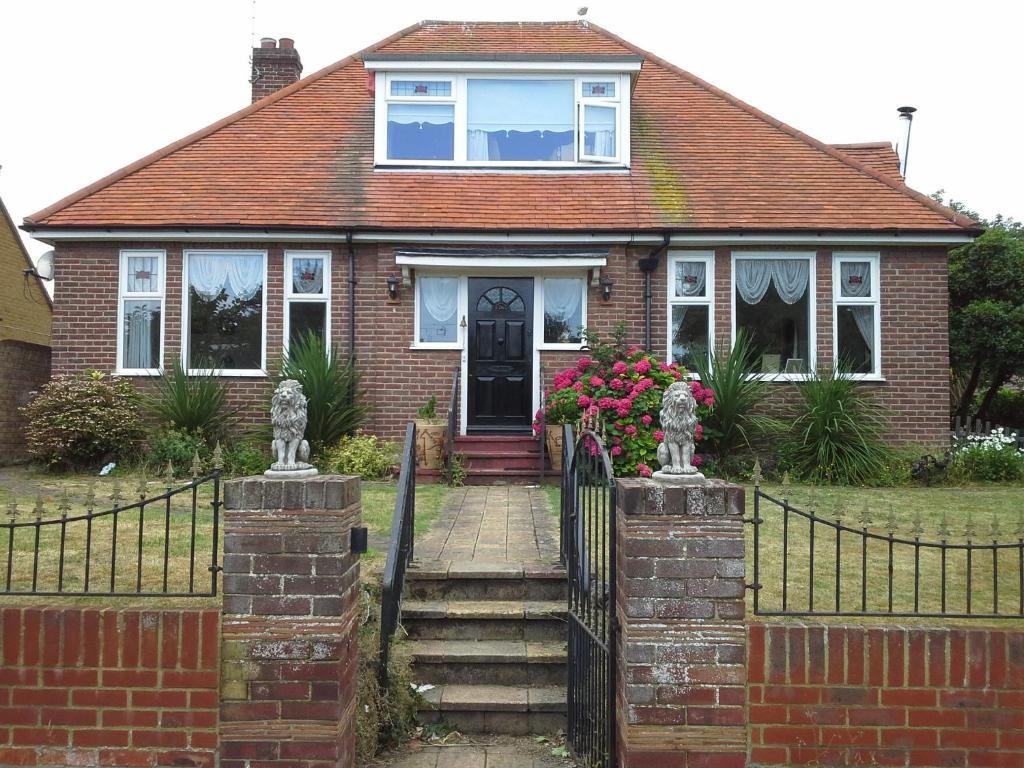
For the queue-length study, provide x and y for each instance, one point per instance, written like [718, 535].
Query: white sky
[89, 87]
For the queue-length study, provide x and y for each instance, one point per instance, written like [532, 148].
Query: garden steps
[496, 460]
[490, 636]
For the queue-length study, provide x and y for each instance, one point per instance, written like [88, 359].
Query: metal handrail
[453, 423]
[568, 489]
[542, 434]
[132, 518]
[400, 552]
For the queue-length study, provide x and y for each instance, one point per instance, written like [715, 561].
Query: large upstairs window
[498, 119]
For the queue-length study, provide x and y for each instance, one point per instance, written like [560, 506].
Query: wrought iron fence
[400, 552]
[163, 545]
[589, 530]
[808, 564]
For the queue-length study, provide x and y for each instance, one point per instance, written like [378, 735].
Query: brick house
[471, 195]
[25, 317]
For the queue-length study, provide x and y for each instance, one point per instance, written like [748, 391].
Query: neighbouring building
[466, 196]
[25, 318]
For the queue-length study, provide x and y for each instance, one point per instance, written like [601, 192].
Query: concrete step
[527, 620]
[475, 460]
[491, 662]
[481, 580]
[497, 708]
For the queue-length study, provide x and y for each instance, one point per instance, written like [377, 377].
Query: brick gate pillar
[289, 648]
[682, 641]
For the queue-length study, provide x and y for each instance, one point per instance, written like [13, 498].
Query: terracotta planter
[553, 444]
[429, 444]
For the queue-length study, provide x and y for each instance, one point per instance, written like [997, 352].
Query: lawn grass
[160, 518]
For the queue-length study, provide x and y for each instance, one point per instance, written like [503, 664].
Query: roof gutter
[54, 235]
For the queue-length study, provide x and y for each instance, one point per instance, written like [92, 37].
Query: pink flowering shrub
[621, 389]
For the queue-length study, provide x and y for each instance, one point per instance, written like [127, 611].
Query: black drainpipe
[647, 265]
[351, 298]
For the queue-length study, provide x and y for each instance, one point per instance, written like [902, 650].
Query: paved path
[512, 753]
[493, 523]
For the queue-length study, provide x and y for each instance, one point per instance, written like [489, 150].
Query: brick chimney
[275, 64]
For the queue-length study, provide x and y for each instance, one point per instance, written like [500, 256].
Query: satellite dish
[44, 266]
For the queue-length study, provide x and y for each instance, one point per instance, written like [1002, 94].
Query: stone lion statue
[288, 416]
[679, 422]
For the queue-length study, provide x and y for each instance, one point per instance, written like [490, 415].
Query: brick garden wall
[23, 368]
[108, 687]
[885, 696]
[398, 378]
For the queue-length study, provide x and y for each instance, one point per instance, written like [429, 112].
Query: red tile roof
[303, 157]
[877, 155]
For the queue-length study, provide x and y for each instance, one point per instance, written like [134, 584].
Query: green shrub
[334, 403]
[836, 432]
[735, 422]
[455, 471]
[78, 422]
[246, 458]
[176, 447]
[192, 404]
[361, 454]
[992, 458]
[1007, 408]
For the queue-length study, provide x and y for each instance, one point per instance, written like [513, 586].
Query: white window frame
[538, 310]
[123, 295]
[186, 315]
[460, 313]
[874, 258]
[812, 308]
[459, 81]
[290, 296]
[582, 102]
[708, 299]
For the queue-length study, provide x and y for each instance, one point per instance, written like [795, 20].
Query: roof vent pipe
[906, 114]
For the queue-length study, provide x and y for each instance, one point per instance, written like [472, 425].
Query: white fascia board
[395, 65]
[729, 239]
[512, 262]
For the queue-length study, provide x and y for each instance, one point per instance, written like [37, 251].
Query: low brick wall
[23, 368]
[108, 687]
[874, 695]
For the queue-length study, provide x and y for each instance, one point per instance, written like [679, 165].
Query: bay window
[855, 279]
[437, 307]
[225, 320]
[774, 305]
[307, 295]
[690, 307]
[496, 119]
[564, 310]
[140, 312]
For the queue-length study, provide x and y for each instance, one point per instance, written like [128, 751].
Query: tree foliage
[986, 311]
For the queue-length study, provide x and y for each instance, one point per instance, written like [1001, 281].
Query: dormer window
[501, 116]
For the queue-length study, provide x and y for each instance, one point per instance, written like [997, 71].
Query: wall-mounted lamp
[606, 288]
[393, 289]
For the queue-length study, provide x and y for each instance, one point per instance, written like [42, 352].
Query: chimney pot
[286, 42]
[268, 42]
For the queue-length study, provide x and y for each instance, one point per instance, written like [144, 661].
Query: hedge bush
[82, 421]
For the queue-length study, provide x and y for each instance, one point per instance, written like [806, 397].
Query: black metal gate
[588, 548]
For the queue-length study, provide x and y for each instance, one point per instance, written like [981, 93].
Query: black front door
[500, 354]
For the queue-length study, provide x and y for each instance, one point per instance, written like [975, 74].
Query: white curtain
[864, 317]
[312, 267]
[790, 277]
[241, 276]
[477, 147]
[440, 297]
[138, 328]
[855, 279]
[563, 298]
[142, 274]
[604, 143]
[690, 278]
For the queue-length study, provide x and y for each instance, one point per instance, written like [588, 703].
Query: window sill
[421, 347]
[239, 374]
[798, 377]
[577, 347]
[617, 167]
[140, 372]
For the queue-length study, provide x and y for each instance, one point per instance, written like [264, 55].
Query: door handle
[501, 340]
